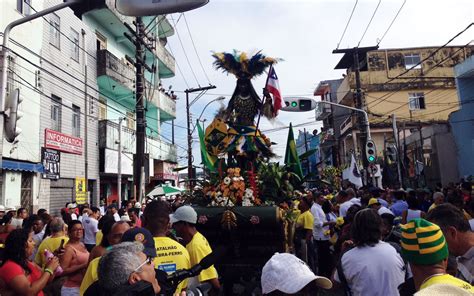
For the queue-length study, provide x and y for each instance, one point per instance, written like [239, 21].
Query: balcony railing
[167, 105]
[322, 111]
[158, 149]
[346, 124]
[110, 65]
[167, 59]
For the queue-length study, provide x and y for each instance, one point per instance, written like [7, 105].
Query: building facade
[462, 121]
[116, 80]
[417, 85]
[69, 110]
[20, 180]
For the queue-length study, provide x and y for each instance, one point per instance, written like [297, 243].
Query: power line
[347, 24]
[184, 51]
[368, 25]
[195, 50]
[390, 26]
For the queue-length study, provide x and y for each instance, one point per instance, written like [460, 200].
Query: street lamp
[204, 109]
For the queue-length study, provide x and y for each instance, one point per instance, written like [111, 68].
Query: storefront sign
[165, 171]
[81, 190]
[62, 142]
[51, 162]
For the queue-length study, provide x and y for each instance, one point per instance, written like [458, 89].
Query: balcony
[111, 66]
[156, 148]
[323, 111]
[346, 125]
[344, 92]
[166, 61]
[167, 107]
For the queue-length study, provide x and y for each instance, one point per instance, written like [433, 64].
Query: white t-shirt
[116, 217]
[73, 216]
[377, 270]
[344, 207]
[384, 210]
[90, 229]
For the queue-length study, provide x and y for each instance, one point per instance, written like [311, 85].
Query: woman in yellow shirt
[304, 229]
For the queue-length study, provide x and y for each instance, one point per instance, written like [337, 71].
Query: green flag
[208, 160]
[291, 155]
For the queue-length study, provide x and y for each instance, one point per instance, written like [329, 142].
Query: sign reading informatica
[51, 162]
[62, 142]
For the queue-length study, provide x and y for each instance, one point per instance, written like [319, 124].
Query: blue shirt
[398, 207]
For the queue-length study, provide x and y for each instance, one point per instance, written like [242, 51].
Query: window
[131, 120]
[56, 113]
[76, 121]
[23, 6]
[411, 60]
[102, 109]
[54, 30]
[416, 101]
[74, 45]
[101, 41]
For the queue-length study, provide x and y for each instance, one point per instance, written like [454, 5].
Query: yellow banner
[81, 190]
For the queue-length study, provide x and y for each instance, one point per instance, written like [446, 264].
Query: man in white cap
[286, 274]
[71, 208]
[184, 222]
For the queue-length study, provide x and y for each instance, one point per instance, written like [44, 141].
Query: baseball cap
[284, 266]
[2, 208]
[8, 209]
[71, 206]
[423, 242]
[125, 218]
[373, 201]
[141, 235]
[184, 213]
[138, 205]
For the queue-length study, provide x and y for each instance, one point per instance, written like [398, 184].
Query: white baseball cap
[287, 273]
[8, 209]
[125, 218]
[71, 206]
[138, 205]
[2, 208]
[184, 213]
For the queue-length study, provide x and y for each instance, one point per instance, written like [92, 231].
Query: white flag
[352, 174]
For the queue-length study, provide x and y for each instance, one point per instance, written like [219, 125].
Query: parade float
[244, 201]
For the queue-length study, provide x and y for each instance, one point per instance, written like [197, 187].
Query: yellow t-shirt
[447, 280]
[51, 244]
[91, 276]
[305, 220]
[199, 248]
[170, 257]
[98, 237]
[432, 207]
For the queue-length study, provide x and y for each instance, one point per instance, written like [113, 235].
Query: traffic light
[11, 116]
[370, 151]
[391, 153]
[298, 104]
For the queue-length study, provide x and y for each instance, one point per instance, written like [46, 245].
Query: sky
[303, 34]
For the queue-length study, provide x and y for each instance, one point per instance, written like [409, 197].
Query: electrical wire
[391, 23]
[195, 50]
[184, 51]
[347, 24]
[368, 25]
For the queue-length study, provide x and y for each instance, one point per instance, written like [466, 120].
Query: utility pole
[397, 144]
[141, 45]
[359, 99]
[190, 134]
[306, 149]
[119, 165]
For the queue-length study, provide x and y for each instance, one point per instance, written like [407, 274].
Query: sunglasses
[148, 260]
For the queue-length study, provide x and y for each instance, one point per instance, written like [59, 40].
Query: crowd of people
[102, 251]
[355, 242]
[389, 242]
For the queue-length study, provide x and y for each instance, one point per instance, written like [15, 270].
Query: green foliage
[276, 183]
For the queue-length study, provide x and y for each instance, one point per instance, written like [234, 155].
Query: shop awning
[22, 166]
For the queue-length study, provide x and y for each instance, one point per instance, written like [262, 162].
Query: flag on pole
[207, 160]
[352, 174]
[273, 87]
[291, 155]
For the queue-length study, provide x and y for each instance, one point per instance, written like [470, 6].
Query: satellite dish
[156, 7]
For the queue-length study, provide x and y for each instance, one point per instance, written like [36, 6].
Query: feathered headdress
[240, 65]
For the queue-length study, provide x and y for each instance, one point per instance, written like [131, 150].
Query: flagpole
[263, 100]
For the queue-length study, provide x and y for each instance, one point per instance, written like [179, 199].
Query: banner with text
[62, 142]
[51, 162]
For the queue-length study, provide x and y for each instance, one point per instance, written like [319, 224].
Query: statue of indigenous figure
[244, 142]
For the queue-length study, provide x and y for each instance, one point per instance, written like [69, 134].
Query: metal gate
[26, 199]
[61, 192]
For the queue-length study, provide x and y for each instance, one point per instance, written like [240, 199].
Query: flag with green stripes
[291, 155]
[208, 160]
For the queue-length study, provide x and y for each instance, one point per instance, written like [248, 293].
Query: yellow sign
[81, 190]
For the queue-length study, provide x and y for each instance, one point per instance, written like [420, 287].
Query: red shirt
[10, 270]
